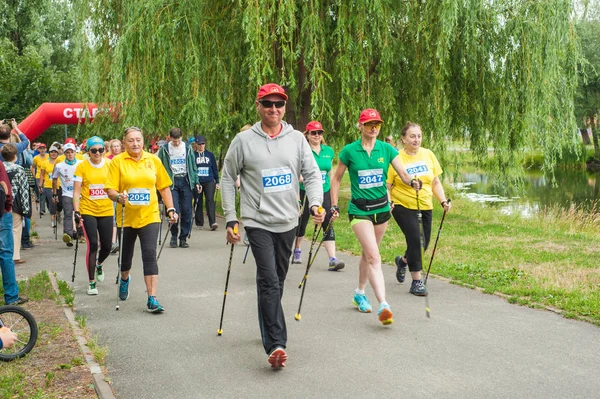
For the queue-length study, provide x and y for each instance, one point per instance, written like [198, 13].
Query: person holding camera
[6, 131]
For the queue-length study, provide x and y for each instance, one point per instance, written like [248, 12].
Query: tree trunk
[594, 125]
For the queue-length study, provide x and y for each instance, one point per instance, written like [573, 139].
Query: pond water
[574, 188]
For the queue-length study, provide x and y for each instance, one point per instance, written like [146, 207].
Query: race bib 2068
[277, 179]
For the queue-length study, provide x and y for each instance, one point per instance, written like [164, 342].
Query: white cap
[69, 146]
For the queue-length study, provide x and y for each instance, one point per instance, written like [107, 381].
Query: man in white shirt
[65, 171]
[178, 159]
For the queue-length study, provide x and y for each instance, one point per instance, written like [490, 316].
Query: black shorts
[376, 218]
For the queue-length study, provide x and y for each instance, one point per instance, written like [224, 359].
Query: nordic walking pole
[75, 258]
[422, 241]
[245, 256]
[308, 264]
[120, 250]
[220, 330]
[163, 243]
[161, 222]
[427, 310]
[299, 223]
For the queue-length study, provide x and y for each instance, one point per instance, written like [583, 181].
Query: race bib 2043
[277, 179]
[139, 196]
[370, 178]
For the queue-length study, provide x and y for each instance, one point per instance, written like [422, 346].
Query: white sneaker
[99, 273]
[92, 290]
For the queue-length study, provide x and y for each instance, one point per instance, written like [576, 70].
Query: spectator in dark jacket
[208, 177]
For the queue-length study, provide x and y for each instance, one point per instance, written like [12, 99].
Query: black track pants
[409, 224]
[92, 227]
[272, 253]
[148, 236]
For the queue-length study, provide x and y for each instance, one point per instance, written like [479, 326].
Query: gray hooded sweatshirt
[269, 170]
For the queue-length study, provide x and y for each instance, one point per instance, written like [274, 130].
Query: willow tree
[496, 73]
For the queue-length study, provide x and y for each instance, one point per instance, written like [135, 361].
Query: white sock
[360, 292]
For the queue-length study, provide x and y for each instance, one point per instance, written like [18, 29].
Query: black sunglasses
[316, 132]
[269, 103]
[97, 150]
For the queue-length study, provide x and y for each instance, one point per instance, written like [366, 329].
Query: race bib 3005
[97, 192]
[138, 196]
[277, 179]
[370, 178]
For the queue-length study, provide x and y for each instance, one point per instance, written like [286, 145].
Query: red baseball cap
[271, 88]
[42, 145]
[369, 115]
[70, 140]
[313, 125]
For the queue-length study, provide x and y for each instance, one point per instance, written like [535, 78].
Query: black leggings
[92, 228]
[148, 236]
[330, 236]
[409, 224]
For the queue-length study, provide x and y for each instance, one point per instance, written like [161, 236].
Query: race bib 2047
[370, 178]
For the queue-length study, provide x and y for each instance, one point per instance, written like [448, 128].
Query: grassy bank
[55, 368]
[550, 260]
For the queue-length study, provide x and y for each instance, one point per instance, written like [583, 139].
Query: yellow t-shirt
[37, 163]
[140, 179]
[62, 157]
[94, 200]
[48, 169]
[423, 166]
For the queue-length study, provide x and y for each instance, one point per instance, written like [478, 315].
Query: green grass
[36, 287]
[550, 260]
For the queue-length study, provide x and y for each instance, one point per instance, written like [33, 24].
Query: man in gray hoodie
[270, 157]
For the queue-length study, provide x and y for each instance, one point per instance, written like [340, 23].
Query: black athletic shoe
[173, 243]
[418, 288]
[183, 244]
[400, 269]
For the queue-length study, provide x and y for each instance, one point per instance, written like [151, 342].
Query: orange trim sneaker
[278, 357]
[386, 317]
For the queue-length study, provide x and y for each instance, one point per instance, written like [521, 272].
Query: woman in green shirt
[324, 155]
[367, 160]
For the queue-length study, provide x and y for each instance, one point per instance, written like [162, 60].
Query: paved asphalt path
[473, 346]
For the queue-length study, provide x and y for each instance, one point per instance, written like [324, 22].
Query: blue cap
[94, 141]
[191, 140]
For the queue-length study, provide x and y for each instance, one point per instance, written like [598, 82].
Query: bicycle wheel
[22, 323]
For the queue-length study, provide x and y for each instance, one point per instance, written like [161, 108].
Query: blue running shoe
[385, 314]
[362, 303]
[124, 288]
[418, 288]
[154, 306]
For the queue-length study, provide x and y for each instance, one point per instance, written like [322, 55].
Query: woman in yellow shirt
[134, 176]
[93, 210]
[422, 164]
[45, 188]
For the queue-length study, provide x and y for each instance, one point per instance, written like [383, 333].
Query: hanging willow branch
[499, 74]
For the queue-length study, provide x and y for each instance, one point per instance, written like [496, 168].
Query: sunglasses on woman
[269, 104]
[316, 132]
[97, 150]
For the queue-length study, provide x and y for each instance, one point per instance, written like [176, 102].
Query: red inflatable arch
[49, 114]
